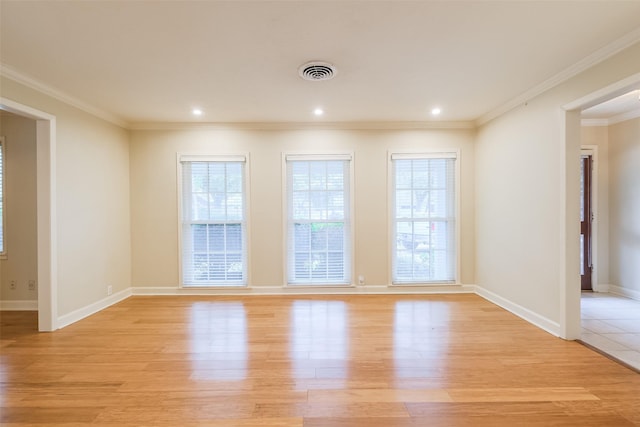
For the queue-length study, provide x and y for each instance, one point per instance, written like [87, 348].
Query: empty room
[319, 213]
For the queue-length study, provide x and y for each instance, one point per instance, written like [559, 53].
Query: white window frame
[200, 157]
[3, 252]
[315, 156]
[392, 155]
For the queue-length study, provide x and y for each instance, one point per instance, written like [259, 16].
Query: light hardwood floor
[442, 360]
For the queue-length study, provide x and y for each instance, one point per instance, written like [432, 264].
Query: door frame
[570, 193]
[592, 150]
[46, 211]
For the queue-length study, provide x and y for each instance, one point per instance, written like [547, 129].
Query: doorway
[45, 211]
[586, 221]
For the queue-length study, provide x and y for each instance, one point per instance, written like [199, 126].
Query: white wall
[624, 207]
[154, 195]
[598, 136]
[92, 196]
[20, 237]
[527, 183]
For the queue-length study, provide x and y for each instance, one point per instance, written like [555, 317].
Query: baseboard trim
[19, 305]
[601, 288]
[303, 290]
[87, 311]
[624, 292]
[540, 321]
[522, 312]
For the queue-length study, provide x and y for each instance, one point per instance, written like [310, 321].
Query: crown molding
[12, 74]
[301, 125]
[629, 115]
[594, 122]
[591, 60]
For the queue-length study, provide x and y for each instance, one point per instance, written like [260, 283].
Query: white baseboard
[540, 321]
[304, 290]
[19, 305]
[624, 292]
[601, 288]
[87, 311]
[522, 312]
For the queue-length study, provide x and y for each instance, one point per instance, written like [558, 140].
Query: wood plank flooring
[441, 360]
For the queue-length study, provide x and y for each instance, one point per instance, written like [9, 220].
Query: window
[214, 231]
[2, 211]
[424, 218]
[319, 223]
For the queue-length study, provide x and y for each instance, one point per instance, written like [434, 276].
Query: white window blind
[424, 218]
[2, 250]
[213, 221]
[319, 221]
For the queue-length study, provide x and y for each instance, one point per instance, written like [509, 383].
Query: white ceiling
[153, 61]
[615, 110]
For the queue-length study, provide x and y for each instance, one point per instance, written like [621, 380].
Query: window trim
[317, 155]
[220, 157]
[3, 253]
[427, 154]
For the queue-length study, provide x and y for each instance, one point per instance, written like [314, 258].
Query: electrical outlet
[360, 280]
[12, 286]
[109, 289]
[32, 285]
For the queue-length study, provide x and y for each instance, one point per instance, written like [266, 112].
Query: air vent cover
[317, 71]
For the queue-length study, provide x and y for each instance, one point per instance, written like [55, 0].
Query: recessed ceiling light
[436, 111]
[197, 112]
[318, 111]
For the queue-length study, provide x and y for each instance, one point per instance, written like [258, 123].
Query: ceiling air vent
[317, 71]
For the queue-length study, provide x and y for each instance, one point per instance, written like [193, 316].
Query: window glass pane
[438, 173]
[335, 205]
[318, 175]
[420, 203]
[403, 174]
[424, 219]
[319, 265]
[234, 266]
[318, 204]
[438, 206]
[317, 192]
[404, 204]
[234, 206]
[200, 266]
[303, 265]
[300, 176]
[335, 176]
[213, 227]
[420, 173]
[200, 206]
[234, 237]
[335, 237]
[199, 233]
[318, 237]
[199, 178]
[217, 207]
[216, 177]
[302, 237]
[216, 237]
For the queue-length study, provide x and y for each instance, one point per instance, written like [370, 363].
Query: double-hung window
[318, 219]
[423, 218]
[214, 230]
